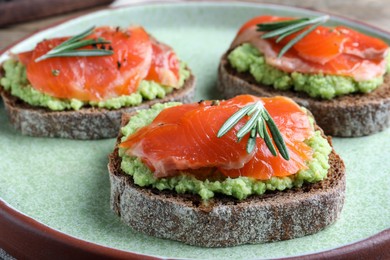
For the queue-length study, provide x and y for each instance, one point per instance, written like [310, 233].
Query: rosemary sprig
[285, 28]
[70, 47]
[256, 125]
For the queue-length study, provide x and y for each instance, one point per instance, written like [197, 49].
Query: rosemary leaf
[256, 125]
[76, 53]
[283, 31]
[233, 120]
[249, 125]
[79, 44]
[287, 34]
[260, 129]
[268, 141]
[278, 138]
[296, 39]
[301, 25]
[251, 144]
[76, 37]
[70, 47]
[253, 132]
[264, 115]
[270, 26]
[253, 109]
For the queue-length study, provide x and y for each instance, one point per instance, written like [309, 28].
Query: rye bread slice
[86, 123]
[345, 116]
[226, 221]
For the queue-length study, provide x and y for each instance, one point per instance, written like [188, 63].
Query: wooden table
[375, 12]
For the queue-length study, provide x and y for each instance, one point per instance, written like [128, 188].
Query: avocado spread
[15, 80]
[246, 58]
[240, 187]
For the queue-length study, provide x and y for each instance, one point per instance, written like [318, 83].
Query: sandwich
[339, 74]
[224, 173]
[78, 87]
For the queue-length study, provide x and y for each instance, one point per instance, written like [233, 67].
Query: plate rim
[23, 236]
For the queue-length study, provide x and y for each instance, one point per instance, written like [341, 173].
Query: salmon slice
[93, 78]
[361, 45]
[325, 44]
[184, 138]
[165, 65]
[136, 57]
[319, 46]
[25, 57]
[334, 51]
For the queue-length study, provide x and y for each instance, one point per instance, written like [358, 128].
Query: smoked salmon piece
[135, 57]
[334, 51]
[184, 138]
[362, 45]
[165, 65]
[319, 46]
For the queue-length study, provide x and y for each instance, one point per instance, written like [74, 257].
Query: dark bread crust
[86, 123]
[225, 221]
[346, 116]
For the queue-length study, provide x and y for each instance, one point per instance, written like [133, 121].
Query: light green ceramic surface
[64, 183]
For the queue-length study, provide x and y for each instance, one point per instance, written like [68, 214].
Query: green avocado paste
[239, 188]
[15, 80]
[247, 58]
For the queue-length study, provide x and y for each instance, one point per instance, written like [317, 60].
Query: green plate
[64, 183]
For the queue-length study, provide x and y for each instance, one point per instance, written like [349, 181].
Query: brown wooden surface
[374, 12]
[17, 11]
